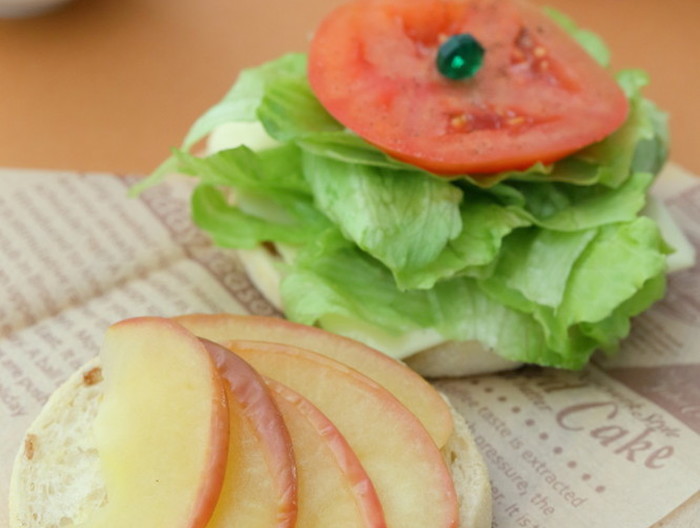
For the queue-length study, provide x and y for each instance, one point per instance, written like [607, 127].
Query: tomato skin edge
[340, 71]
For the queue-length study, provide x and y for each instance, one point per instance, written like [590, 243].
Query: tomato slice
[538, 96]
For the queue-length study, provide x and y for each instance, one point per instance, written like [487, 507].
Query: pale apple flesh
[162, 429]
[407, 386]
[260, 486]
[334, 488]
[411, 479]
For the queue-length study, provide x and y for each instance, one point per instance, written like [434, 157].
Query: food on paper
[397, 452]
[334, 488]
[166, 427]
[467, 211]
[260, 459]
[152, 420]
[404, 384]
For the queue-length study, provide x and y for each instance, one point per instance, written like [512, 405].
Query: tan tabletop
[110, 85]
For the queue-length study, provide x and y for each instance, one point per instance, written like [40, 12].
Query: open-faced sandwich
[463, 184]
[285, 426]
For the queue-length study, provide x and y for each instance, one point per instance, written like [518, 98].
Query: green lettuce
[402, 218]
[242, 102]
[544, 265]
[553, 298]
[588, 40]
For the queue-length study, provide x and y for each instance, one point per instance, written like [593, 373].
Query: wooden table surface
[110, 85]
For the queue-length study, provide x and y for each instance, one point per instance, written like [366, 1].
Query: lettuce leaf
[401, 218]
[613, 268]
[246, 198]
[537, 263]
[563, 207]
[276, 170]
[554, 299]
[545, 264]
[289, 110]
[484, 226]
[230, 226]
[241, 103]
[588, 40]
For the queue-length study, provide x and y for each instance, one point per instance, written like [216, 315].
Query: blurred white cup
[26, 8]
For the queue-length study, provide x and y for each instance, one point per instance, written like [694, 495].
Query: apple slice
[412, 390]
[411, 479]
[260, 486]
[334, 488]
[162, 428]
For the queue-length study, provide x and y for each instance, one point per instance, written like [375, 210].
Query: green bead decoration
[460, 57]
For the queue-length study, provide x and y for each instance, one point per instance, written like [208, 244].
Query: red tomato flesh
[537, 98]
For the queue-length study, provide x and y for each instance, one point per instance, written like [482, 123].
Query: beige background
[112, 84]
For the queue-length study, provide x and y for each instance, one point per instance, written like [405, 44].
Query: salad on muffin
[465, 177]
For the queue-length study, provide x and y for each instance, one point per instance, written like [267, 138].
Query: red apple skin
[363, 492]
[154, 332]
[253, 397]
[392, 444]
[407, 386]
[216, 470]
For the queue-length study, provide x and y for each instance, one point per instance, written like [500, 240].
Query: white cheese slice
[397, 346]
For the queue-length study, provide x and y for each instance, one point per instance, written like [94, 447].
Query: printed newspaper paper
[617, 444]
